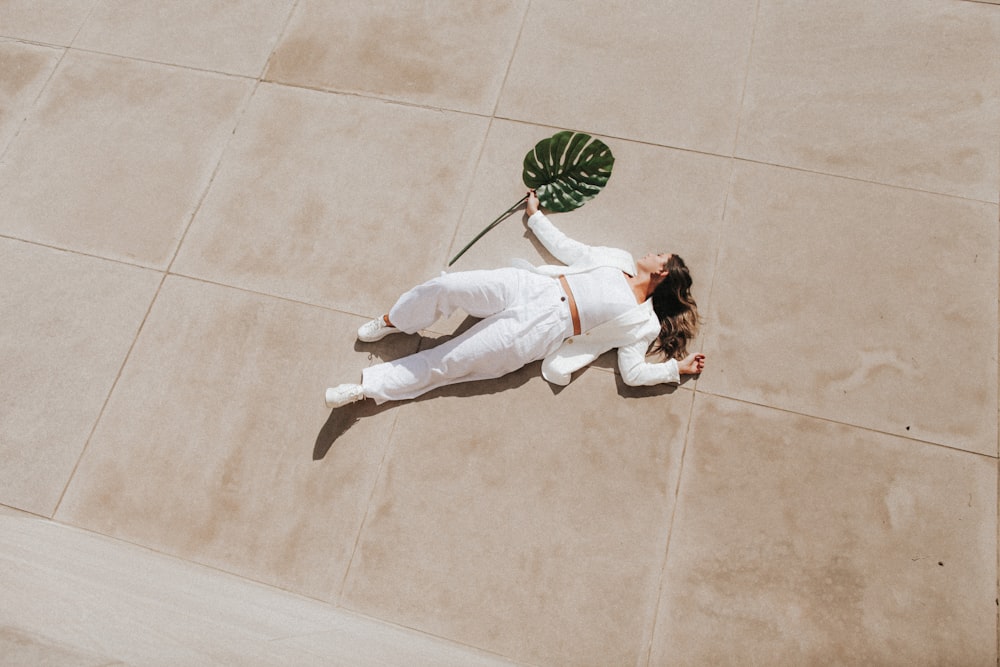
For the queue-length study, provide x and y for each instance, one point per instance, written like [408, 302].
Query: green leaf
[567, 170]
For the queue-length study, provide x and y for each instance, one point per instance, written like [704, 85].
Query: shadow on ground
[342, 419]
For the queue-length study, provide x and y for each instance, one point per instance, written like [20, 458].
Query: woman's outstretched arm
[636, 371]
[562, 247]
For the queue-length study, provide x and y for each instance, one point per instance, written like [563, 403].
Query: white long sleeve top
[631, 332]
[601, 294]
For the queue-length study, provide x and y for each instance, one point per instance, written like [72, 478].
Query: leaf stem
[490, 226]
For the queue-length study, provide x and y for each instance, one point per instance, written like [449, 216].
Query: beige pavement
[200, 202]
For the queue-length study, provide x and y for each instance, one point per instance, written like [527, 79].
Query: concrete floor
[201, 201]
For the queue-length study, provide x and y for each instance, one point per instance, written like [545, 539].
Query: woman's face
[654, 262]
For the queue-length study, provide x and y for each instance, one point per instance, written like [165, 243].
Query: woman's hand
[693, 364]
[532, 206]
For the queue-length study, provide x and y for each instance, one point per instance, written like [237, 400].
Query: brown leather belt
[573, 312]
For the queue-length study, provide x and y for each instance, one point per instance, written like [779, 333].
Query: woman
[566, 316]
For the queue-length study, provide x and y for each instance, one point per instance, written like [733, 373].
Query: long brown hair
[676, 309]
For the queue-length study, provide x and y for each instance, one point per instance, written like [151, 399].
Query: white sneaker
[375, 330]
[343, 394]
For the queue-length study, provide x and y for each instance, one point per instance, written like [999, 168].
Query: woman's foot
[375, 330]
[344, 394]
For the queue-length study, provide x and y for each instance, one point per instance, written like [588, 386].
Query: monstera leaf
[566, 170]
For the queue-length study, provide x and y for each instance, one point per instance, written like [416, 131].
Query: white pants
[525, 317]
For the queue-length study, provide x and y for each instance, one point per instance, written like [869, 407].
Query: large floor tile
[116, 156]
[68, 323]
[450, 54]
[206, 448]
[49, 21]
[24, 69]
[801, 542]
[221, 35]
[901, 93]
[670, 73]
[336, 200]
[528, 523]
[866, 304]
[657, 199]
[76, 598]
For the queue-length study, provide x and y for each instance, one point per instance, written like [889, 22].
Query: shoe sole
[382, 334]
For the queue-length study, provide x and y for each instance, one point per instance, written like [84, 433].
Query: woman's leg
[535, 322]
[491, 348]
[478, 293]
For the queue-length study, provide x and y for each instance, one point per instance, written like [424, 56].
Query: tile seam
[33, 106]
[486, 135]
[468, 194]
[719, 239]
[405, 103]
[149, 307]
[269, 295]
[81, 253]
[207, 281]
[615, 137]
[168, 555]
[32, 42]
[162, 63]
[31, 513]
[279, 39]
[647, 651]
[83, 23]
[869, 429]
[240, 114]
[748, 160]
[339, 595]
[107, 397]
[746, 78]
[858, 179]
[654, 622]
[369, 96]
[510, 60]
